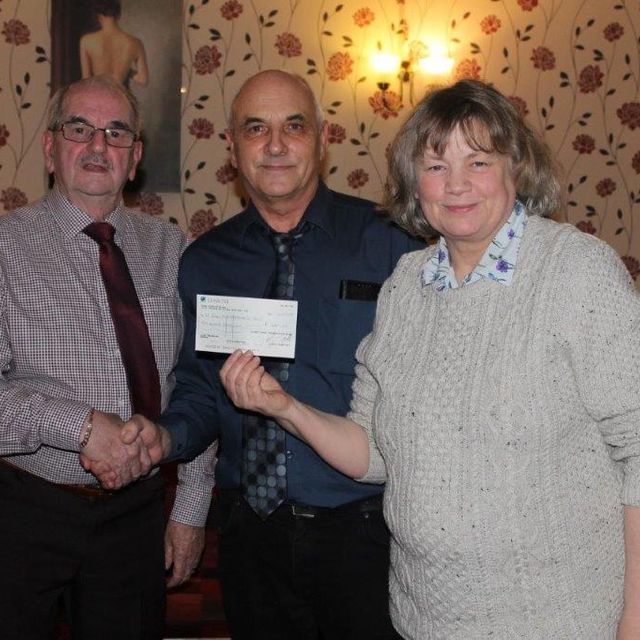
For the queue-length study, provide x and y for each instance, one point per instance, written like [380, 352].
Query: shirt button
[289, 455]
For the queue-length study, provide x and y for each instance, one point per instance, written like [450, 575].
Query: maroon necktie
[129, 323]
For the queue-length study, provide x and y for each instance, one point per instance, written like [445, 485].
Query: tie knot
[101, 232]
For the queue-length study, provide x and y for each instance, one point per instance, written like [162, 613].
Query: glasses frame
[105, 131]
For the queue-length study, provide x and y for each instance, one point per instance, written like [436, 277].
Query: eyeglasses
[84, 132]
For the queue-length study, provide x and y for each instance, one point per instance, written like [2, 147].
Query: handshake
[118, 452]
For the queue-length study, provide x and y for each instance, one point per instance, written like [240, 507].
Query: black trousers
[305, 574]
[105, 556]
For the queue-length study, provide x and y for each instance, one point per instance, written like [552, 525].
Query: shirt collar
[319, 213]
[497, 264]
[72, 220]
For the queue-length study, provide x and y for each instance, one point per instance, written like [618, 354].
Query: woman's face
[465, 195]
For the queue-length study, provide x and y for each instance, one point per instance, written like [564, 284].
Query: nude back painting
[138, 43]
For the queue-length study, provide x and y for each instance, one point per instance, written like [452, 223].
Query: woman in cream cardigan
[498, 395]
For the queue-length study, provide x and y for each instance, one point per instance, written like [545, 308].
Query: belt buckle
[302, 512]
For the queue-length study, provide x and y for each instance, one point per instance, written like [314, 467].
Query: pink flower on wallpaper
[543, 59]
[357, 178]
[230, 10]
[528, 5]
[340, 65]
[467, 69]
[4, 134]
[150, 203]
[613, 31]
[16, 32]
[629, 114]
[633, 266]
[605, 187]
[586, 227]
[12, 198]
[590, 78]
[635, 162]
[207, 59]
[201, 221]
[336, 133]
[201, 128]
[288, 45]
[584, 143]
[386, 104]
[363, 17]
[226, 173]
[520, 104]
[490, 24]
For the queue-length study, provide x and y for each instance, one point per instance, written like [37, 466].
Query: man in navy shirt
[317, 566]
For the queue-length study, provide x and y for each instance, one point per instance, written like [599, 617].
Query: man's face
[277, 144]
[92, 174]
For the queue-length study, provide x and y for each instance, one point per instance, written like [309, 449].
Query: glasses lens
[77, 131]
[119, 137]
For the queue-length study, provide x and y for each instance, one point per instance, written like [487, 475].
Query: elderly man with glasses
[90, 325]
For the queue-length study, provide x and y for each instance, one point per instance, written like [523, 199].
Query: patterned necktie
[264, 464]
[129, 323]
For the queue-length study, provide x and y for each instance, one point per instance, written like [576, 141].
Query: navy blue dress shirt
[347, 240]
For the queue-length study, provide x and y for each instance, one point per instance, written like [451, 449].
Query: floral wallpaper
[572, 67]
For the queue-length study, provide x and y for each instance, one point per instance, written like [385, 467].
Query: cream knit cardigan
[505, 421]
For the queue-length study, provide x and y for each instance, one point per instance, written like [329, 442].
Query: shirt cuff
[191, 505]
[61, 423]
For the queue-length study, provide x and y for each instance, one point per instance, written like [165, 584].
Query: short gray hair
[489, 122]
[55, 113]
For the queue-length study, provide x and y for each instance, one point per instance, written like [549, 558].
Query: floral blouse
[497, 263]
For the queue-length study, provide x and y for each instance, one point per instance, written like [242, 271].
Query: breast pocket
[342, 326]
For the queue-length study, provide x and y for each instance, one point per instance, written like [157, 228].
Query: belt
[87, 491]
[368, 505]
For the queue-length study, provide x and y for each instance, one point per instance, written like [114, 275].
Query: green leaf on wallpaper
[325, 16]
[27, 78]
[198, 106]
[215, 34]
[572, 203]
[504, 69]
[619, 231]
[311, 62]
[333, 170]
[528, 28]
[247, 56]
[475, 48]
[363, 153]
[570, 187]
[201, 165]
[26, 105]
[193, 26]
[331, 112]
[327, 33]
[348, 41]
[549, 127]
[355, 141]
[505, 52]
[203, 98]
[311, 71]
[273, 12]
[18, 89]
[362, 127]
[590, 22]
[336, 103]
[41, 59]
[187, 174]
[189, 190]
[339, 8]
[40, 50]
[205, 2]
[362, 79]
[191, 9]
[374, 134]
[597, 55]
[626, 76]
[211, 199]
[579, 47]
[619, 213]
[582, 179]
[247, 38]
[466, 15]
[230, 73]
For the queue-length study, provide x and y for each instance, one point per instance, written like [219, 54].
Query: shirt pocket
[342, 326]
[163, 315]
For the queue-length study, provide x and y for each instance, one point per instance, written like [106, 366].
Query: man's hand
[154, 437]
[183, 546]
[113, 461]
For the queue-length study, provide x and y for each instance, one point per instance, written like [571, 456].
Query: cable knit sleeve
[602, 321]
[370, 354]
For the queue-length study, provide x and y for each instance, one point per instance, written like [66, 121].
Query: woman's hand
[250, 387]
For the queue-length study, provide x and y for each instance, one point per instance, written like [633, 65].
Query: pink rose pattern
[288, 45]
[207, 59]
[150, 203]
[467, 69]
[12, 198]
[386, 104]
[357, 178]
[226, 173]
[16, 32]
[363, 17]
[336, 134]
[4, 134]
[201, 128]
[543, 59]
[340, 65]
[590, 78]
[201, 221]
[490, 24]
[231, 9]
[629, 114]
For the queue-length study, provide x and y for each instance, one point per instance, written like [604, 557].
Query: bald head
[268, 78]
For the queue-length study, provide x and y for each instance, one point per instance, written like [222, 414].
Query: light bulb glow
[385, 62]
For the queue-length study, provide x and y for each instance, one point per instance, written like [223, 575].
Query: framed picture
[139, 43]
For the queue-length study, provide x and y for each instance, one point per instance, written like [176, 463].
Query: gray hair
[55, 113]
[489, 122]
[299, 80]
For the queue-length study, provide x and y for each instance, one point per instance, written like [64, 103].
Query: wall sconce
[430, 61]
